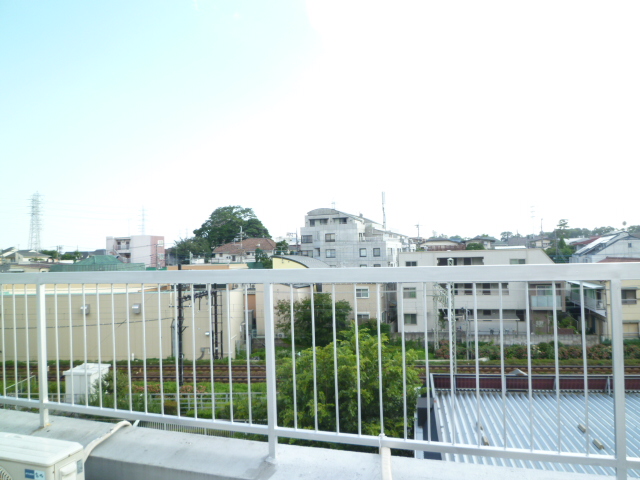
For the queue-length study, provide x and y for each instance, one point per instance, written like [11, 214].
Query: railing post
[619, 414]
[272, 404]
[43, 380]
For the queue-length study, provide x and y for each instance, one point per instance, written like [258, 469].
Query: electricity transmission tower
[34, 231]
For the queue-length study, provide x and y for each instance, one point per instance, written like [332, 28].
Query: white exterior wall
[514, 297]
[147, 249]
[624, 248]
[352, 240]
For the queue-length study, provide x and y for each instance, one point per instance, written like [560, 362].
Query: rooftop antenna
[333, 205]
[34, 231]
[384, 215]
[418, 227]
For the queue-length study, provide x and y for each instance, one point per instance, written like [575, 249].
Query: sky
[472, 116]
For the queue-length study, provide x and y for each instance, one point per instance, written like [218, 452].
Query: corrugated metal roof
[545, 426]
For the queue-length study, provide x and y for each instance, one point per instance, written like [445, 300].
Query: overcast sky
[472, 116]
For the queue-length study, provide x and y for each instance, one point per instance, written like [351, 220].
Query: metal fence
[168, 341]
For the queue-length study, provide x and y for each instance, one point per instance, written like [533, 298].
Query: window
[312, 223]
[363, 317]
[629, 297]
[410, 318]
[409, 292]
[517, 261]
[376, 252]
[486, 289]
[363, 252]
[331, 253]
[363, 266]
[377, 265]
[410, 264]
[543, 290]
[323, 221]
[329, 237]
[362, 292]
[307, 253]
[307, 238]
[505, 289]
[463, 289]
[341, 220]
[317, 252]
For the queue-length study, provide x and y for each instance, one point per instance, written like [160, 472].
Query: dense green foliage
[347, 355]
[225, 223]
[322, 318]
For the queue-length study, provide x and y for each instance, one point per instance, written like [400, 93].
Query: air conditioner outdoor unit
[24, 456]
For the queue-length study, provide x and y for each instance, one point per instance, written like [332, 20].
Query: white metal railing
[171, 331]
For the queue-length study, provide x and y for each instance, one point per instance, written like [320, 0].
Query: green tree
[392, 387]
[633, 229]
[323, 318]
[225, 223]
[263, 258]
[75, 256]
[52, 253]
[282, 247]
[504, 236]
[475, 246]
[186, 247]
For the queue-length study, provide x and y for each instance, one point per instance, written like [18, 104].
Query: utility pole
[180, 330]
[418, 227]
[453, 349]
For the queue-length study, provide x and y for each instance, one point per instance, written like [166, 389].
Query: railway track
[238, 373]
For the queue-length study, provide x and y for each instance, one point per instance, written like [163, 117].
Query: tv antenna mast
[34, 231]
[384, 215]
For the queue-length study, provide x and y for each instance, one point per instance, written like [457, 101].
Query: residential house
[540, 241]
[616, 244]
[243, 251]
[442, 244]
[344, 240]
[486, 241]
[22, 257]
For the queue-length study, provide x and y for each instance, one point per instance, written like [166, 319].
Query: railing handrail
[614, 274]
[443, 274]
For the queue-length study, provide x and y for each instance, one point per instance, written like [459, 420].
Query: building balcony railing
[593, 304]
[183, 347]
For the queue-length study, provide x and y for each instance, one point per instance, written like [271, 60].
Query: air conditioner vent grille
[4, 475]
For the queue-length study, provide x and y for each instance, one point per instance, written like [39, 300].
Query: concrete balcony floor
[134, 453]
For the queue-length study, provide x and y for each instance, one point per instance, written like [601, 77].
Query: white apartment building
[345, 240]
[491, 299]
[147, 249]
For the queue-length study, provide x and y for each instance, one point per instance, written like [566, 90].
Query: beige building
[492, 300]
[597, 305]
[123, 323]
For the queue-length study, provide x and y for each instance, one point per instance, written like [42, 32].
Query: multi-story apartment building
[506, 300]
[596, 300]
[147, 249]
[345, 240]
